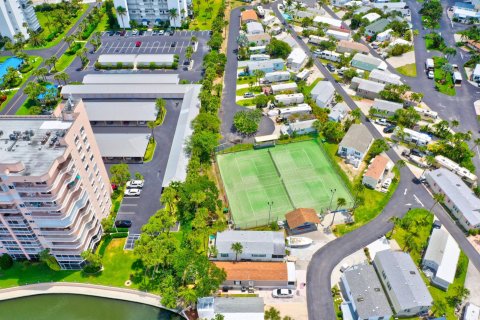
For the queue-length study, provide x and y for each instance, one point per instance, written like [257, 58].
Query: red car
[138, 44]
[114, 186]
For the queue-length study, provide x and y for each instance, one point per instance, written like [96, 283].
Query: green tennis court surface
[297, 175]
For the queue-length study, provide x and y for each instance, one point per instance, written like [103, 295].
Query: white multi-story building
[152, 11]
[17, 16]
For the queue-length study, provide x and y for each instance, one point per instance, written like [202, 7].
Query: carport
[125, 147]
[120, 113]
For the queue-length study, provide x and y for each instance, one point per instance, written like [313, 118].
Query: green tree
[450, 52]
[49, 260]
[62, 76]
[378, 146]
[246, 122]
[341, 202]
[437, 198]
[120, 173]
[261, 100]
[152, 125]
[122, 12]
[272, 314]
[173, 15]
[51, 63]
[206, 122]
[407, 117]
[6, 261]
[278, 49]
[11, 79]
[202, 144]
[237, 248]
[93, 261]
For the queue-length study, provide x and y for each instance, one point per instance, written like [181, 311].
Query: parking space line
[129, 204]
[126, 212]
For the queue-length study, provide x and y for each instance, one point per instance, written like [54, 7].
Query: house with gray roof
[323, 93]
[384, 77]
[255, 28]
[366, 88]
[441, 258]
[120, 113]
[367, 63]
[385, 109]
[257, 245]
[338, 112]
[459, 198]
[265, 65]
[376, 27]
[355, 144]
[231, 308]
[364, 293]
[401, 280]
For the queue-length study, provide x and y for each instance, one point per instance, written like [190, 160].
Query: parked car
[161, 32]
[173, 45]
[135, 183]
[382, 122]
[387, 183]
[417, 153]
[389, 129]
[111, 33]
[248, 95]
[141, 33]
[331, 67]
[375, 46]
[134, 32]
[430, 74]
[123, 223]
[122, 33]
[132, 192]
[138, 44]
[282, 293]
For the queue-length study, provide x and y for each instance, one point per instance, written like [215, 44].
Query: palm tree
[41, 74]
[258, 74]
[237, 248]
[69, 40]
[151, 125]
[173, 15]
[51, 62]
[396, 222]
[450, 52]
[62, 77]
[122, 12]
[340, 203]
[400, 164]
[437, 198]
[410, 243]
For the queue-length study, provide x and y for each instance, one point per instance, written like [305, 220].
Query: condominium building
[17, 16]
[54, 188]
[152, 11]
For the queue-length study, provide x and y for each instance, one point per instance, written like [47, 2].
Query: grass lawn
[10, 95]
[254, 89]
[3, 58]
[409, 70]
[42, 19]
[118, 266]
[421, 240]
[203, 18]
[25, 109]
[246, 80]
[430, 45]
[150, 151]
[309, 88]
[443, 80]
[374, 202]
[246, 102]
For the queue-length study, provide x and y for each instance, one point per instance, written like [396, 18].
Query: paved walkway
[83, 289]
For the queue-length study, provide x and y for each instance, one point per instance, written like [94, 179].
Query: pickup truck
[382, 122]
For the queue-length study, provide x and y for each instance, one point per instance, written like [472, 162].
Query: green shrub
[6, 262]
[119, 235]
[52, 263]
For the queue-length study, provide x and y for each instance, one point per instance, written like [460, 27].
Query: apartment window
[91, 157]
[224, 255]
[77, 140]
[82, 130]
[83, 158]
[87, 167]
[389, 286]
[384, 275]
[88, 148]
[259, 255]
[236, 282]
[85, 140]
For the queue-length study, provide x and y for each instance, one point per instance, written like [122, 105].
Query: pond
[80, 307]
[13, 62]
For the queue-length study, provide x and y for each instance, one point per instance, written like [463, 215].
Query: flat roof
[128, 91]
[444, 251]
[121, 110]
[238, 305]
[158, 58]
[129, 78]
[115, 58]
[34, 142]
[122, 145]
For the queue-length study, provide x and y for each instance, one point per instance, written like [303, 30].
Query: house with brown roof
[376, 171]
[302, 220]
[345, 46]
[258, 275]
[249, 16]
[474, 45]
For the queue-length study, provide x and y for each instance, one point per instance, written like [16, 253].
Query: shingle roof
[403, 276]
[249, 15]
[358, 137]
[352, 45]
[300, 216]
[385, 105]
[367, 292]
[258, 242]
[459, 193]
[377, 167]
[242, 271]
[378, 26]
[323, 89]
[444, 251]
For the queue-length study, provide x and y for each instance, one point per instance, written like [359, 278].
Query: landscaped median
[443, 76]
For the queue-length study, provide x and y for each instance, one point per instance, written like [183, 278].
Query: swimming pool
[49, 87]
[287, 16]
[13, 62]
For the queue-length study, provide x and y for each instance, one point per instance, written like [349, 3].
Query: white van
[260, 11]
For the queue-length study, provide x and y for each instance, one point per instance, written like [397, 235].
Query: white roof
[443, 251]
[284, 86]
[121, 110]
[291, 272]
[472, 312]
[418, 135]
[300, 125]
[372, 16]
[378, 245]
[330, 21]
[458, 193]
[115, 58]
[269, 137]
[476, 71]
[157, 58]
[122, 78]
[254, 27]
[322, 88]
[120, 145]
[297, 56]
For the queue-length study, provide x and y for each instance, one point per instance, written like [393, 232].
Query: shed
[231, 308]
[302, 220]
[157, 59]
[114, 59]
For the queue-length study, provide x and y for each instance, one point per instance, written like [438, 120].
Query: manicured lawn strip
[150, 151]
[423, 232]
[374, 202]
[245, 80]
[66, 60]
[309, 88]
[246, 102]
[118, 266]
[203, 18]
[254, 89]
[409, 70]
[447, 87]
[3, 58]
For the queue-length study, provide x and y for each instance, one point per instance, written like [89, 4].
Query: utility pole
[332, 191]
[270, 204]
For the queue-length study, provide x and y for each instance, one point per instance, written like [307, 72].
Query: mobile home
[289, 99]
[276, 76]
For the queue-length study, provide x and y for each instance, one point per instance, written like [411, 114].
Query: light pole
[331, 199]
[270, 204]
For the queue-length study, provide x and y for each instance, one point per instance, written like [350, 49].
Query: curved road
[409, 194]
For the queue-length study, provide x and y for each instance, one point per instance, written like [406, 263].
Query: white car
[282, 293]
[132, 192]
[387, 183]
[134, 32]
[161, 32]
[135, 184]
[430, 74]
[382, 122]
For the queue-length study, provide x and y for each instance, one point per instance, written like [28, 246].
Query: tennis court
[297, 175]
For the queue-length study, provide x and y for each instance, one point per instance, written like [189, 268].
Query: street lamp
[270, 204]
[332, 191]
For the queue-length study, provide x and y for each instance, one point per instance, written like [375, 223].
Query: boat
[296, 242]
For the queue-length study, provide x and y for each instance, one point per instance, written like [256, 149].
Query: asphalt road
[229, 106]
[409, 194]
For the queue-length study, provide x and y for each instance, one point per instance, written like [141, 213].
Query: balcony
[78, 245]
[9, 211]
[56, 222]
[30, 187]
